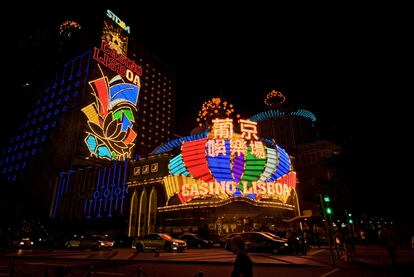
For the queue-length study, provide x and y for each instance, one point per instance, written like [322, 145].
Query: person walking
[389, 241]
[243, 265]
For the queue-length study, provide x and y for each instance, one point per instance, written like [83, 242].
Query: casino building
[88, 149]
[111, 102]
[220, 180]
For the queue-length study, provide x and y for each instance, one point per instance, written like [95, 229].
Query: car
[25, 242]
[225, 240]
[73, 242]
[261, 242]
[215, 238]
[195, 241]
[95, 242]
[158, 241]
[274, 236]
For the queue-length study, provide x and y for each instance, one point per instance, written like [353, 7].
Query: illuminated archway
[142, 214]
[152, 211]
[133, 215]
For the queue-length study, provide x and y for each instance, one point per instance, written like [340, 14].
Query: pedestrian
[243, 265]
[349, 246]
[318, 239]
[389, 241]
[363, 237]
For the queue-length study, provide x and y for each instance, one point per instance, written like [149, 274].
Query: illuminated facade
[218, 179]
[288, 128]
[112, 103]
[295, 130]
[156, 103]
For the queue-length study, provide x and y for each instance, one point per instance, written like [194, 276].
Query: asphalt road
[212, 262]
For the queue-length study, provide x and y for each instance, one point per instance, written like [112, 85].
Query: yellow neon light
[248, 129]
[223, 128]
[131, 208]
[91, 113]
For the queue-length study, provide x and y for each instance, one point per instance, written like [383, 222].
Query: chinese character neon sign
[228, 164]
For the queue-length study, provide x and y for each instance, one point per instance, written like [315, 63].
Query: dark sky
[346, 64]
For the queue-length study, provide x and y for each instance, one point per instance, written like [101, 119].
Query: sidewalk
[377, 256]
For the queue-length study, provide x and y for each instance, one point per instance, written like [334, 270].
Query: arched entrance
[133, 215]
[142, 218]
[152, 211]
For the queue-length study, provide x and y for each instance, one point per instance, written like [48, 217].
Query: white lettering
[118, 21]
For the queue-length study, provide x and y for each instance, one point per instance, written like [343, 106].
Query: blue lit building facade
[53, 158]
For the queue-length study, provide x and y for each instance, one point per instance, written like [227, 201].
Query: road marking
[109, 273]
[330, 272]
[316, 252]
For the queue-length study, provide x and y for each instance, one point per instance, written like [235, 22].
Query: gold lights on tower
[274, 99]
[68, 28]
[214, 108]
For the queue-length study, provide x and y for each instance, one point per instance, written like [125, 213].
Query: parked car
[227, 237]
[73, 241]
[195, 241]
[95, 242]
[25, 242]
[260, 242]
[159, 241]
[274, 236]
[215, 238]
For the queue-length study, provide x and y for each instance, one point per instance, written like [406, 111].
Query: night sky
[345, 64]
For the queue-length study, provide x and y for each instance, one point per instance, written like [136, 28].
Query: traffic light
[350, 220]
[329, 210]
[326, 204]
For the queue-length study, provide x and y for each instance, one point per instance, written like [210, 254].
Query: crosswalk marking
[330, 272]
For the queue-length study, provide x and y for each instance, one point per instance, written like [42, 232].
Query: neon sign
[110, 133]
[215, 188]
[118, 63]
[226, 164]
[118, 21]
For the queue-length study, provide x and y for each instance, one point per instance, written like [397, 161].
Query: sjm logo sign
[118, 21]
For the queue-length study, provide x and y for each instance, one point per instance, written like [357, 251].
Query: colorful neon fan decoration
[111, 118]
[196, 164]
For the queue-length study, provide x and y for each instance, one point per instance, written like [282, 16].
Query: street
[372, 261]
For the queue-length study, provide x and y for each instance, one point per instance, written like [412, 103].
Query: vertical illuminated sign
[115, 33]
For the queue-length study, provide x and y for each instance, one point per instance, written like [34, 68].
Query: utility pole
[327, 210]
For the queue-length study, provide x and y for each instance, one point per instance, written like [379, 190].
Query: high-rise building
[289, 128]
[295, 130]
[113, 100]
